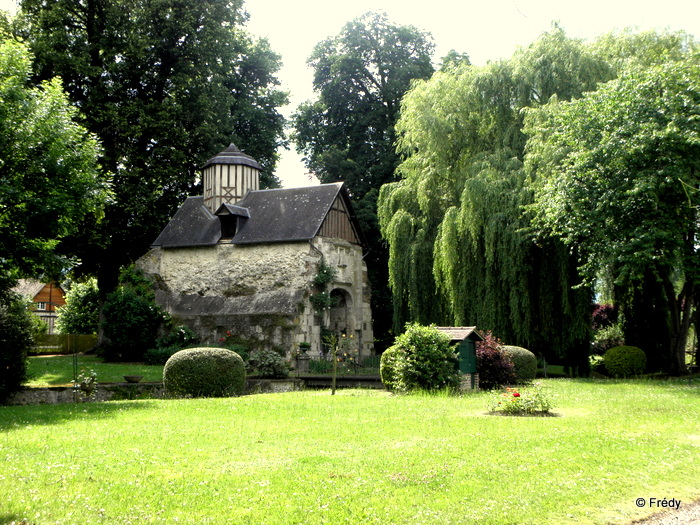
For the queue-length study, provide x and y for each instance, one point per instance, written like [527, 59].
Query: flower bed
[530, 401]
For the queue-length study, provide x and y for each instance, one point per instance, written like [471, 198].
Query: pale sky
[485, 30]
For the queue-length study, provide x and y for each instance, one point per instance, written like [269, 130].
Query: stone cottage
[247, 261]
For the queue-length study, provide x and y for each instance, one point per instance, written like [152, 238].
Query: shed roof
[460, 333]
[276, 215]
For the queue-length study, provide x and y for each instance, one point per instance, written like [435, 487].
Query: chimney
[228, 176]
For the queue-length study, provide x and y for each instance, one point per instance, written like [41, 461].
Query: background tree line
[469, 198]
[513, 202]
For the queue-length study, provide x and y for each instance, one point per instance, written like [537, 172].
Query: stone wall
[119, 391]
[261, 292]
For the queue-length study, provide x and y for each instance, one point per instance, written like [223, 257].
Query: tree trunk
[680, 309]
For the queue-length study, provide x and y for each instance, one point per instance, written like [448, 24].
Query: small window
[41, 306]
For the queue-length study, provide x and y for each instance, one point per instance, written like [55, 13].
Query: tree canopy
[459, 253]
[164, 85]
[347, 134]
[461, 249]
[50, 179]
[617, 174]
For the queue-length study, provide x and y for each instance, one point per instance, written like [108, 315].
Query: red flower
[516, 394]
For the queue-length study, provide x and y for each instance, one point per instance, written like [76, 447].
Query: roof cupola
[228, 176]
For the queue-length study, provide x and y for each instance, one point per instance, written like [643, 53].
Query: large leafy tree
[619, 177]
[348, 133]
[49, 181]
[164, 84]
[49, 175]
[459, 251]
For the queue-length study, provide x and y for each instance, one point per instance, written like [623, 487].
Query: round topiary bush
[388, 367]
[204, 372]
[625, 361]
[268, 364]
[524, 361]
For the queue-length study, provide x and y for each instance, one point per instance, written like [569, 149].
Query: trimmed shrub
[204, 372]
[494, 366]
[16, 339]
[388, 366]
[524, 363]
[268, 364]
[420, 359]
[625, 361]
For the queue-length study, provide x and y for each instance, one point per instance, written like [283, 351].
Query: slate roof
[192, 225]
[460, 333]
[232, 155]
[277, 215]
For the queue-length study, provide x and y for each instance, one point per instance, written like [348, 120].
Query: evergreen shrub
[268, 364]
[625, 361]
[204, 372]
[524, 363]
[420, 359]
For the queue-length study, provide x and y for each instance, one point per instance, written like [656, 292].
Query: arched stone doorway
[341, 321]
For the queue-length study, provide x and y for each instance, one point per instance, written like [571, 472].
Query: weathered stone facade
[243, 261]
[261, 292]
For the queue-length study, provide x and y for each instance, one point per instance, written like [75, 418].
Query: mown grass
[356, 457]
[58, 370]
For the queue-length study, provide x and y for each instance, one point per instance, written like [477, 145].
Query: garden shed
[244, 261]
[465, 337]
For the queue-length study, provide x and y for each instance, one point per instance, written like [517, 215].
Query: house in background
[46, 297]
[244, 261]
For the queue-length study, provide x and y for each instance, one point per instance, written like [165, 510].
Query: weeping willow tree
[460, 251]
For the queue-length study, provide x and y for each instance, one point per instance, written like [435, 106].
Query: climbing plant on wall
[321, 298]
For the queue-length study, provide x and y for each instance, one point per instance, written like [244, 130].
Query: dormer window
[231, 218]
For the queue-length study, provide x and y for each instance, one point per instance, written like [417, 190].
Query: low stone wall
[117, 391]
[272, 386]
[54, 395]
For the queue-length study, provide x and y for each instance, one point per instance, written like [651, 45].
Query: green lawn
[58, 370]
[357, 457]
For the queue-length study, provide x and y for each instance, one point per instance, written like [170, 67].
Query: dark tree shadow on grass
[19, 417]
